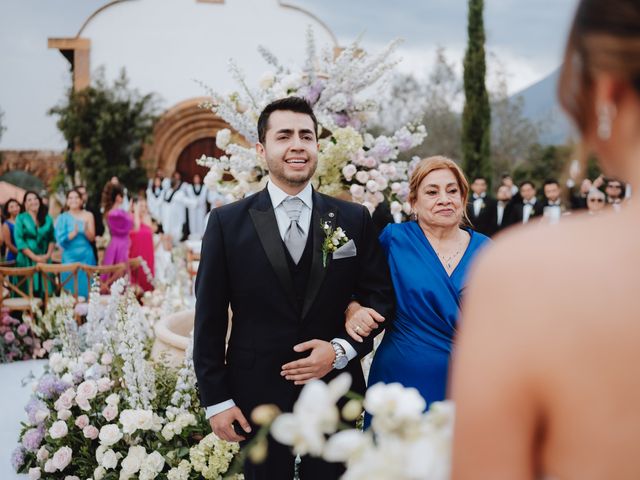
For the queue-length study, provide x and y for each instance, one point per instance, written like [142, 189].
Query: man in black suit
[503, 215]
[263, 257]
[530, 208]
[481, 207]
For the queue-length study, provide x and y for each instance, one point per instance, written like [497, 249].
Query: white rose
[58, 429]
[362, 177]
[109, 460]
[113, 399]
[62, 458]
[104, 384]
[41, 415]
[64, 415]
[109, 434]
[90, 432]
[382, 183]
[89, 357]
[43, 454]
[395, 207]
[133, 420]
[267, 80]
[395, 187]
[67, 378]
[88, 389]
[133, 461]
[110, 412]
[82, 421]
[83, 403]
[57, 362]
[99, 473]
[154, 462]
[34, 473]
[49, 467]
[223, 138]
[357, 191]
[64, 402]
[349, 171]
[106, 359]
[372, 186]
[71, 477]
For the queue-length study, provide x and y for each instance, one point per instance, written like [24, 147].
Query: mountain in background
[541, 106]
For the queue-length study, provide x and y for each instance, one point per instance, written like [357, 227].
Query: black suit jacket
[485, 221]
[243, 265]
[537, 211]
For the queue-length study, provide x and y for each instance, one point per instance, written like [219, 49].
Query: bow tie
[477, 197]
[554, 204]
[531, 204]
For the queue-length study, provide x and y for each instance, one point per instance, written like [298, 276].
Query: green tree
[106, 128]
[544, 162]
[476, 116]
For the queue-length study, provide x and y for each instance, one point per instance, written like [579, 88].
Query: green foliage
[543, 162]
[476, 117]
[106, 128]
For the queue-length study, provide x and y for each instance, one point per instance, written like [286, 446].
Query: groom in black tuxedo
[263, 257]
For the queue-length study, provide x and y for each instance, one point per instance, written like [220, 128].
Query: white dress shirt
[277, 197]
[526, 210]
[501, 206]
[478, 201]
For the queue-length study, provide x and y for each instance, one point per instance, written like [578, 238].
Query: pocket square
[345, 251]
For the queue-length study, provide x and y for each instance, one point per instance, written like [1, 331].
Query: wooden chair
[110, 272]
[13, 280]
[57, 277]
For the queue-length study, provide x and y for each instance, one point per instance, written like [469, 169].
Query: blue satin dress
[417, 344]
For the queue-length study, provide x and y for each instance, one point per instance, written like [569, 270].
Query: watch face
[341, 362]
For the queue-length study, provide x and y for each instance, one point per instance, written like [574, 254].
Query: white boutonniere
[333, 239]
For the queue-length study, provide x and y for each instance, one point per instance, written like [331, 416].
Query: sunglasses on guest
[599, 200]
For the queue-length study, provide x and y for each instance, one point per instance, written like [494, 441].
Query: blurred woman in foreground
[545, 376]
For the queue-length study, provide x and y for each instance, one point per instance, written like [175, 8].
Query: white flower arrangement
[337, 87]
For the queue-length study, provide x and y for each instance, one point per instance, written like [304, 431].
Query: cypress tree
[476, 117]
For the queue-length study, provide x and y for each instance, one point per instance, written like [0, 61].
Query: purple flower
[312, 93]
[28, 340]
[33, 438]
[33, 407]
[50, 385]
[341, 119]
[9, 337]
[17, 457]
[22, 329]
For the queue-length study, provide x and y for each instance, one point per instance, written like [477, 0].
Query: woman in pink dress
[119, 223]
[142, 243]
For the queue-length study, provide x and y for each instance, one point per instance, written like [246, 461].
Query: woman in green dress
[34, 236]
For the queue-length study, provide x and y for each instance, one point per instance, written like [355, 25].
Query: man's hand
[361, 321]
[316, 365]
[222, 424]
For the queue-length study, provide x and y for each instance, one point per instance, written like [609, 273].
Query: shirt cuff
[348, 349]
[219, 408]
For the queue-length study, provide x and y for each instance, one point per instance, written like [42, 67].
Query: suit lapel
[264, 220]
[321, 213]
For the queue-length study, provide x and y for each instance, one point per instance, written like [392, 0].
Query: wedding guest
[614, 190]
[74, 232]
[503, 215]
[10, 211]
[508, 181]
[596, 201]
[141, 236]
[33, 233]
[544, 377]
[552, 206]
[154, 198]
[197, 211]
[174, 209]
[579, 199]
[530, 207]
[481, 207]
[429, 260]
[119, 222]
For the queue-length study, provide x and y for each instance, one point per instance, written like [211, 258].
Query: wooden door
[187, 165]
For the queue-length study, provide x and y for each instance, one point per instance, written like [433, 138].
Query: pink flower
[47, 345]
[104, 384]
[82, 421]
[9, 337]
[22, 329]
[28, 341]
[106, 359]
[110, 412]
[83, 403]
[87, 389]
[62, 458]
[90, 432]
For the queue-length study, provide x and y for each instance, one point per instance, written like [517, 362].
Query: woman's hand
[361, 321]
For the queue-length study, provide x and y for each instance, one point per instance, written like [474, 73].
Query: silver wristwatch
[341, 356]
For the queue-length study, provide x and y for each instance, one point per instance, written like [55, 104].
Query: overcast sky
[527, 36]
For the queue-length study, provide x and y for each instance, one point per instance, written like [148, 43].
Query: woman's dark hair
[604, 37]
[77, 192]
[5, 208]
[41, 216]
[289, 104]
[109, 195]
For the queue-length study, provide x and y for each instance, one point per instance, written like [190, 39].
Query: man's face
[290, 149]
[552, 192]
[83, 192]
[527, 192]
[614, 189]
[479, 186]
[504, 193]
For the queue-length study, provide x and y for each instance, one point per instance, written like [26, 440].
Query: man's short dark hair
[550, 181]
[480, 177]
[527, 182]
[289, 104]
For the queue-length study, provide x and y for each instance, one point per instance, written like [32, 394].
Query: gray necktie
[294, 237]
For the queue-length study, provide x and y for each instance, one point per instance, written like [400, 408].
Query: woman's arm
[6, 234]
[90, 227]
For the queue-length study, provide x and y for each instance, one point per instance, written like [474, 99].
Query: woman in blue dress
[429, 259]
[75, 230]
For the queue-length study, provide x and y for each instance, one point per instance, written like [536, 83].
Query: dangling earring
[606, 114]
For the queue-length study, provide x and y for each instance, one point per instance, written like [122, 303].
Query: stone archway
[177, 130]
